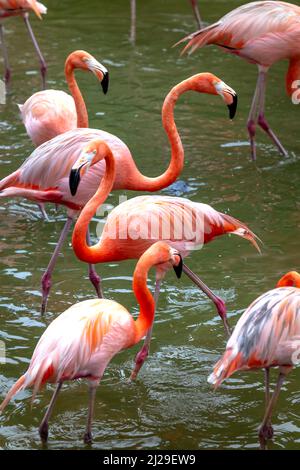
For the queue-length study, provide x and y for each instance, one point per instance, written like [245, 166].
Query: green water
[170, 406]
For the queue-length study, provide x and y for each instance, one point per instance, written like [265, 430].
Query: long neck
[82, 115]
[144, 298]
[139, 182]
[293, 76]
[95, 253]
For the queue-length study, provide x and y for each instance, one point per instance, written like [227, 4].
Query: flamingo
[44, 176]
[49, 113]
[261, 33]
[136, 224]
[267, 335]
[21, 8]
[97, 329]
[194, 4]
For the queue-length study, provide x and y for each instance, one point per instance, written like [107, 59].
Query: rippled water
[170, 406]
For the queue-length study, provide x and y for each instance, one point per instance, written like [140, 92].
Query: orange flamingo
[97, 329]
[261, 33]
[133, 226]
[267, 335]
[49, 113]
[21, 8]
[44, 176]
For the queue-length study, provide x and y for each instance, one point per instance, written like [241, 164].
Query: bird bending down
[267, 335]
[261, 33]
[21, 8]
[44, 176]
[49, 113]
[82, 341]
[133, 226]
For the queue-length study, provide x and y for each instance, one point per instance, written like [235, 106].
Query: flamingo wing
[266, 335]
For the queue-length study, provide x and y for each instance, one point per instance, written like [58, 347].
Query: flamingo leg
[43, 428]
[219, 303]
[88, 438]
[46, 278]
[43, 211]
[133, 21]
[262, 122]
[43, 67]
[93, 276]
[144, 351]
[196, 11]
[266, 430]
[251, 124]
[7, 72]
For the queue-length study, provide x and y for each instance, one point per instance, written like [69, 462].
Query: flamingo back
[267, 334]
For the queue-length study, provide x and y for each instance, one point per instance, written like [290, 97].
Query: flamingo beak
[229, 96]
[80, 167]
[36, 10]
[178, 267]
[100, 71]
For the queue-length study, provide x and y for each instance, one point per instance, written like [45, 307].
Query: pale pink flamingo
[49, 113]
[133, 226]
[21, 8]
[194, 4]
[261, 33]
[267, 335]
[82, 341]
[44, 176]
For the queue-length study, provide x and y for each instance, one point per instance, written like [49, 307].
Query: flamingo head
[92, 153]
[291, 278]
[163, 257]
[85, 61]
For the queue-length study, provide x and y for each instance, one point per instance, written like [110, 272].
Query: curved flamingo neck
[290, 279]
[82, 115]
[137, 181]
[293, 76]
[94, 253]
[144, 298]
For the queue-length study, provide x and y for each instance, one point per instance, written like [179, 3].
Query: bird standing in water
[267, 335]
[81, 342]
[21, 8]
[261, 33]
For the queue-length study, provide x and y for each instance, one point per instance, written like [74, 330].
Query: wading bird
[49, 113]
[44, 176]
[82, 341]
[133, 226]
[261, 33]
[267, 335]
[21, 8]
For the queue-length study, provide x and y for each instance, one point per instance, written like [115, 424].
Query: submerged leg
[88, 438]
[262, 122]
[144, 352]
[46, 278]
[251, 124]
[264, 430]
[7, 71]
[43, 428]
[133, 21]
[43, 211]
[196, 11]
[43, 67]
[219, 303]
[268, 428]
[93, 276]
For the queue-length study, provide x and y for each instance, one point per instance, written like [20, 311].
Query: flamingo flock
[77, 167]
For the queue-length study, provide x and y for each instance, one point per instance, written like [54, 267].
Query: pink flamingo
[21, 8]
[261, 33]
[133, 226]
[267, 335]
[44, 176]
[194, 4]
[49, 113]
[97, 329]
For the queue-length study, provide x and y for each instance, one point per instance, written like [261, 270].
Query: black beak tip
[233, 107]
[74, 180]
[105, 83]
[178, 268]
